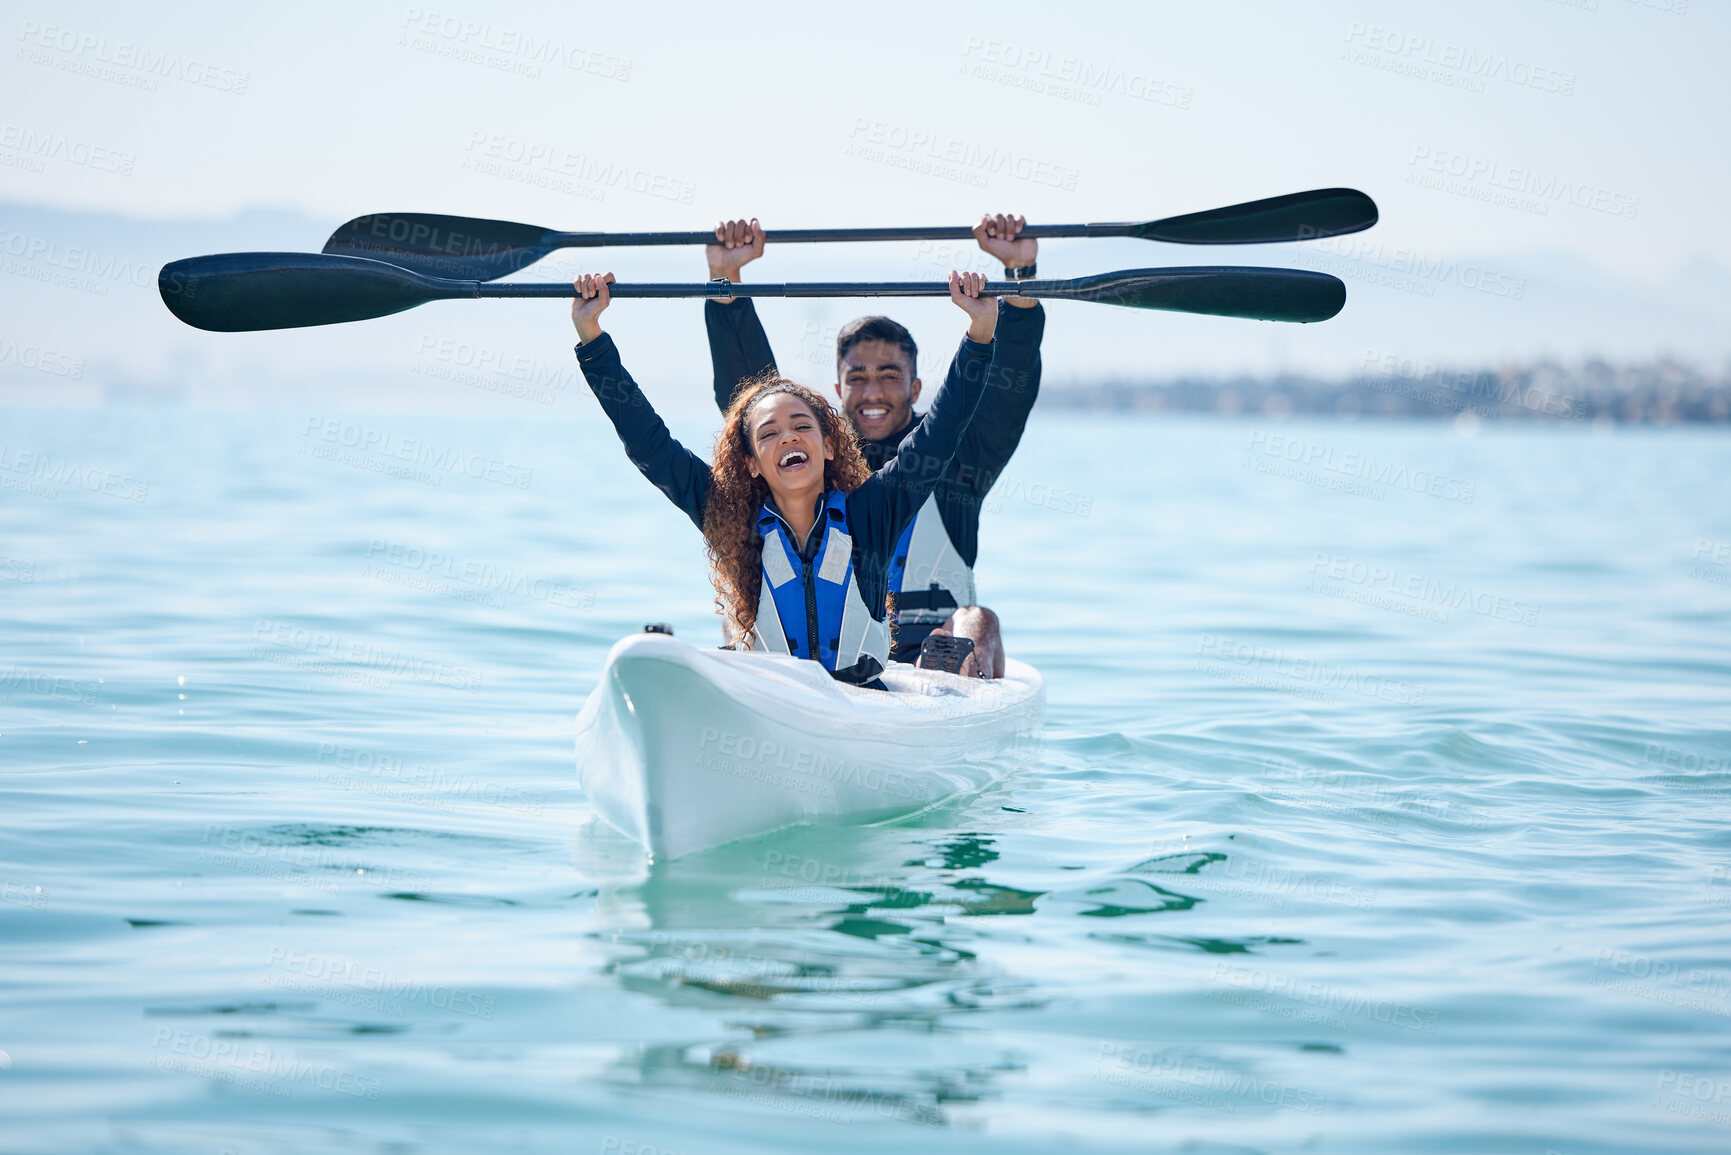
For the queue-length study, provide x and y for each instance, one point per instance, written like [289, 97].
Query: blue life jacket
[814, 609]
[927, 574]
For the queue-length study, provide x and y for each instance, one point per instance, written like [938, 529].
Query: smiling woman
[781, 438]
[801, 532]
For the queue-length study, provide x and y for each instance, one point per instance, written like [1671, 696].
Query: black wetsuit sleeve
[881, 508]
[673, 469]
[1012, 386]
[738, 346]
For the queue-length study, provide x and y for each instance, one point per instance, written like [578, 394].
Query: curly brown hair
[730, 519]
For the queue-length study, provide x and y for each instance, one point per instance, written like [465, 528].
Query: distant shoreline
[1657, 393]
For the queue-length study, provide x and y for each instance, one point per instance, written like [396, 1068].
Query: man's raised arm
[1014, 381]
[738, 346]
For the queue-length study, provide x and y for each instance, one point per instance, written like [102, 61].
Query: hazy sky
[1588, 129]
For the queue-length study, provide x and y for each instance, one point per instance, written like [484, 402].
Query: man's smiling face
[877, 386]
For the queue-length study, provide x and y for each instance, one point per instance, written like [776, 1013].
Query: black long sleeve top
[878, 511]
[739, 348]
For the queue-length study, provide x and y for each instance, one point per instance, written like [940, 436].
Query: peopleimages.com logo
[1392, 587]
[45, 475]
[381, 450]
[122, 62]
[1285, 455]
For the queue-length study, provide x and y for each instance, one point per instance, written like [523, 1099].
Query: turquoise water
[1381, 808]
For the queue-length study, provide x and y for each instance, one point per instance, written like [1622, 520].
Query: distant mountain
[83, 287]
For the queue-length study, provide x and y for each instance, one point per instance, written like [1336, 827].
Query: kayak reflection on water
[818, 933]
[873, 941]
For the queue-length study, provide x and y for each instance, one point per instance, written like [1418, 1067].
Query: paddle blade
[1326, 212]
[461, 248]
[246, 292]
[1254, 293]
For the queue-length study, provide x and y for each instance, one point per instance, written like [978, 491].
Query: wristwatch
[1025, 273]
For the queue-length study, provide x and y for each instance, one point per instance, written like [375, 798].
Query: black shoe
[944, 652]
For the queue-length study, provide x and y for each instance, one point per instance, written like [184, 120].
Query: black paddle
[244, 292]
[481, 250]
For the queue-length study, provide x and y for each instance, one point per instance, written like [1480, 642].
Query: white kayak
[683, 748]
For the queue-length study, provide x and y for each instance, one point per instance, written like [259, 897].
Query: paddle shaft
[1046, 288]
[822, 236]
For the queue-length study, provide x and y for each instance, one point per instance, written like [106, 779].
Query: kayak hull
[684, 749]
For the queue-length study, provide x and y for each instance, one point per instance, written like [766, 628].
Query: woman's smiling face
[787, 444]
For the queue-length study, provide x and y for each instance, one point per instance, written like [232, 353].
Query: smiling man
[877, 380]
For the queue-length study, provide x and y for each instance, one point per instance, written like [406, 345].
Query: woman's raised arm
[670, 467]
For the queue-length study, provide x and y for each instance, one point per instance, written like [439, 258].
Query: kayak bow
[684, 749]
